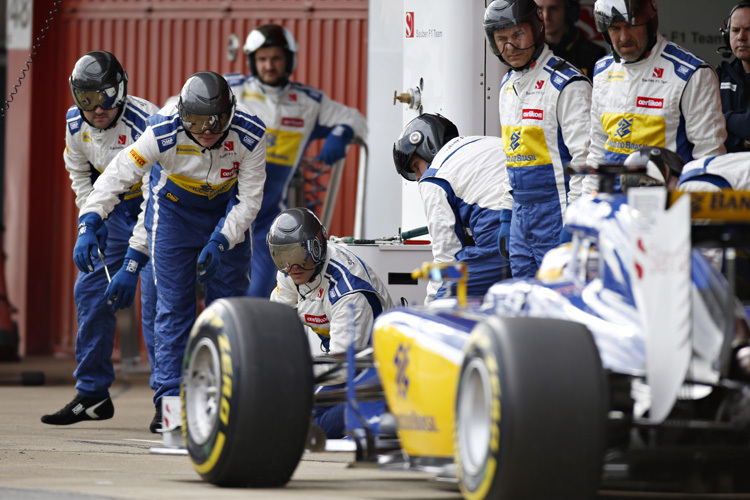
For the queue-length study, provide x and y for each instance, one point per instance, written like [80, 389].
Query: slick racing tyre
[530, 411]
[247, 393]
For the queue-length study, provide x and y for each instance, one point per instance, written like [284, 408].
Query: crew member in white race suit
[649, 92]
[544, 114]
[463, 183]
[103, 121]
[333, 290]
[207, 158]
[294, 114]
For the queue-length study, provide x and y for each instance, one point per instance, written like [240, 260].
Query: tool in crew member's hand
[106, 271]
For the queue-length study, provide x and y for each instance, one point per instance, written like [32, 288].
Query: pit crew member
[733, 76]
[463, 184]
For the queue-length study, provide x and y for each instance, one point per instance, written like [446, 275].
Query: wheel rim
[202, 391]
[474, 416]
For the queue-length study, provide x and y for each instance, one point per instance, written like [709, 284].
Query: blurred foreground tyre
[247, 393]
[530, 411]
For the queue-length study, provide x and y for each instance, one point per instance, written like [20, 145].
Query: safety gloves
[89, 231]
[335, 146]
[210, 257]
[121, 290]
[504, 236]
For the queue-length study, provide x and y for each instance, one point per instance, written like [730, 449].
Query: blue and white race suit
[668, 99]
[294, 115]
[714, 173]
[544, 113]
[461, 191]
[88, 151]
[345, 297]
[193, 191]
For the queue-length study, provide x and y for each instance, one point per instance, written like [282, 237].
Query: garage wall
[160, 43]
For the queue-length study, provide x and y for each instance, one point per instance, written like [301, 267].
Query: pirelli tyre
[247, 389]
[531, 411]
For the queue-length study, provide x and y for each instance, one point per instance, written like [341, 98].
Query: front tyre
[246, 393]
[530, 411]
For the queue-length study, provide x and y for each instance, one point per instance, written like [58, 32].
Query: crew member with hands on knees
[206, 158]
[103, 121]
[330, 287]
[295, 115]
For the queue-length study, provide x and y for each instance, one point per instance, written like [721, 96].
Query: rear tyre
[246, 393]
[530, 411]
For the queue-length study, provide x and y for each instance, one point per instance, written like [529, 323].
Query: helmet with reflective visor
[295, 236]
[423, 136]
[632, 12]
[206, 103]
[98, 80]
[502, 14]
[662, 165]
[271, 35]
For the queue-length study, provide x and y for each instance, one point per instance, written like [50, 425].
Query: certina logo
[539, 84]
[410, 25]
[623, 128]
[121, 139]
[168, 141]
[650, 102]
[658, 73]
[229, 146]
[316, 320]
[293, 122]
[229, 172]
[533, 114]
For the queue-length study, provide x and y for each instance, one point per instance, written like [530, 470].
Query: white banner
[18, 27]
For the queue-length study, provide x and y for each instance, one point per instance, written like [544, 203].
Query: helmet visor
[197, 124]
[403, 150]
[88, 100]
[632, 12]
[287, 256]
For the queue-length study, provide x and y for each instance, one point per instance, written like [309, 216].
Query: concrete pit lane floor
[112, 459]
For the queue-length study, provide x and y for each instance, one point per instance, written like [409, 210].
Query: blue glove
[210, 257]
[504, 236]
[88, 226]
[565, 236]
[335, 146]
[121, 290]
[101, 237]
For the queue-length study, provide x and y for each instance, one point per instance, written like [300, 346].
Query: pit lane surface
[112, 459]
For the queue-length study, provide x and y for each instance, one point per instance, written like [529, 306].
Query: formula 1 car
[616, 367]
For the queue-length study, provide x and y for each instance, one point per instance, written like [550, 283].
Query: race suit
[294, 115]
[193, 191]
[461, 192]
[345, 297]
[735, 100]
[88, 151]
[668, 99]
[728, 171]
[544, 113]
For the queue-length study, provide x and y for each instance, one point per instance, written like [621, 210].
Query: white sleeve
[78, 167]
[705, 125]
[251, 177]
[285, 291]
[597, 140]
[333, 113]
[341, 319]
[139, 238]
[441, 222]
[574, 116]
[125, 169]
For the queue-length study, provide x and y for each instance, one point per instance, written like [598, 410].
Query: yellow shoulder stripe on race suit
[628, 132]
[282, 146]
[202, 188]
[525, 146]
[247, 94]
[326, 332]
